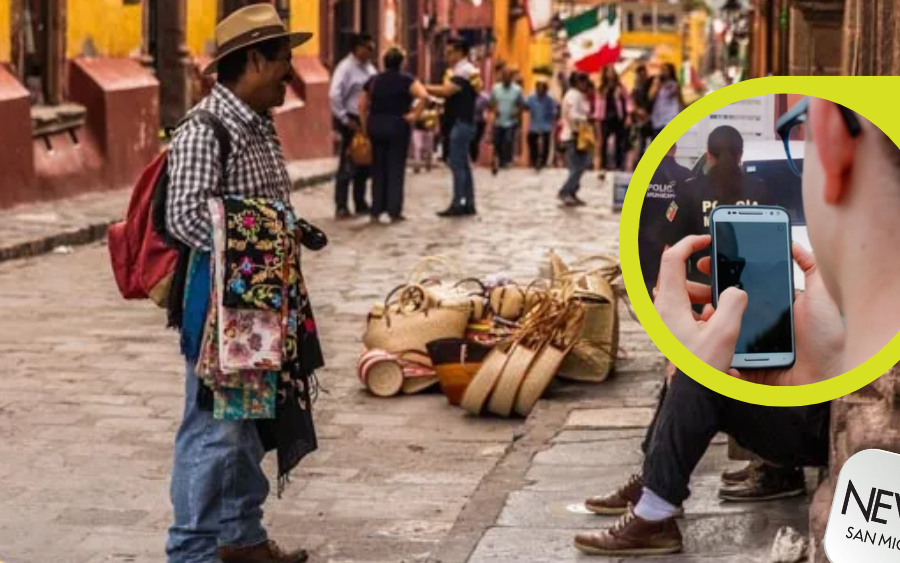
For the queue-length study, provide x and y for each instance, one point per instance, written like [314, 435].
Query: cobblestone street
[91, 394]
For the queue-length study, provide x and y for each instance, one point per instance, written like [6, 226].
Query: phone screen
[756, 257]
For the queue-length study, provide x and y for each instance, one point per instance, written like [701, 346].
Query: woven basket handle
[418, 273]
[475, 281]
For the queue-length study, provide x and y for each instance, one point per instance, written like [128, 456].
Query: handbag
[593, 356]
[410, 319]
[360, 149]
[546, 366]
[585, 137]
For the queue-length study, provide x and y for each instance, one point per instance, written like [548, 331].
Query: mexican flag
[593, 38]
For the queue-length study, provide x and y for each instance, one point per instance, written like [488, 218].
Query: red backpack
[143, 254]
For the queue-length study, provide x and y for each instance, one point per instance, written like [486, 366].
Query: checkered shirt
[255, 167]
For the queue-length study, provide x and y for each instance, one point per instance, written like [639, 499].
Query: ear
[254, 60]
[835, 147]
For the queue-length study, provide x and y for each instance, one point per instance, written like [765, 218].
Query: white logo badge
[865, 516]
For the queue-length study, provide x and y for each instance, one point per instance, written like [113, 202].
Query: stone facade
[867, 419]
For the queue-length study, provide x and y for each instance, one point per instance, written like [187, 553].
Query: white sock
[654, 508]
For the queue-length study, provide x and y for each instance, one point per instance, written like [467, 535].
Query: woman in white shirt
[575, 112]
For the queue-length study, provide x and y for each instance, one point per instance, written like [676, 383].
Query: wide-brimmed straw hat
[248, 26]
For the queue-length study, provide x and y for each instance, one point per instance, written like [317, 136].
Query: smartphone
[751, 250]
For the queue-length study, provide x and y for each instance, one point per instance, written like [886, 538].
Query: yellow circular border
[872, 97]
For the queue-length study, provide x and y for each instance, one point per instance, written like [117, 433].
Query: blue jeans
[579, 162]
[461, 136]
[218, 487]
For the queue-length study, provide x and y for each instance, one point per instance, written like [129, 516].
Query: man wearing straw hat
[218, 486]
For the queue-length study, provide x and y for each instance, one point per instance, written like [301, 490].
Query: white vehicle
[767, 160]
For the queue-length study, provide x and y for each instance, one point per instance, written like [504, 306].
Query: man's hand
[818, 333]
[352, 124]
[712, 336]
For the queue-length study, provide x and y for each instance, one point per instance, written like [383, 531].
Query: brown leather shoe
[616, 504]
[737, 477]
[267, 552]
[632, 535]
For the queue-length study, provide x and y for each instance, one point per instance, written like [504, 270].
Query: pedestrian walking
[482, 104]
[542, 113]
[391, 104]
[507, 103]
[218, 485]
[460, 92]
[577, 136]
[666, 99]
[641, 107]
[612, 114]
[347, 82]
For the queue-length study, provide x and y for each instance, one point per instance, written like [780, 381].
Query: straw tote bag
[546, 365]
[486, 378]
[593, 357]
[414, 320]
[530, 343]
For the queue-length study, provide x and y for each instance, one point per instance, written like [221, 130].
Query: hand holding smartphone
[751, 251]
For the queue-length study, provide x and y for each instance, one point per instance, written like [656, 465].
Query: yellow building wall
[115, 29]
[5, 31]
[305, 17]
[201, 25]
[667, 47]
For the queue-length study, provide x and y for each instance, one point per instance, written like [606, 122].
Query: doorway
[344, 28]
[169, 58]
[38, 48]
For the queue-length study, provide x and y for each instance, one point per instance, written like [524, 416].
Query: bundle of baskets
[491, 346]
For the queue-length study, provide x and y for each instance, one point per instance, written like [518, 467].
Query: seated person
[852, 195]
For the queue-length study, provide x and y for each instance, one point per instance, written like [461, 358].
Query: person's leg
[458, 161]
[691, 416]
[648, 437]
[533, 150]
[509, 145]
[396, 175]
[218, 487]
[544, 153]
[380, 177]
[583, 164]
[475, 145]
[468, 132]
[578, 163]
[621, 145]
[606, 131]
[360, 181]
[345, 170]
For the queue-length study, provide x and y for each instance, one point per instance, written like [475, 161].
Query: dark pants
[475, 146]
[690, 417]
[461, 136]
[579, 162]
[609, 129]
[644, 136]
[504, 144]
[349, 172]
[538, 149]
[389, 152]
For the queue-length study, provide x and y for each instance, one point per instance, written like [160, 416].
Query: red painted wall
[122, 98]
[304, 122]
[16, 158]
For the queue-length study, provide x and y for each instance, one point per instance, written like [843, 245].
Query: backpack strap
[223, 137]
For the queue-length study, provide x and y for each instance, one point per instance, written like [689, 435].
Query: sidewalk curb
[97, 231]
[489, 498]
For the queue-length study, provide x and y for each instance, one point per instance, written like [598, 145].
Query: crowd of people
[579, 129]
